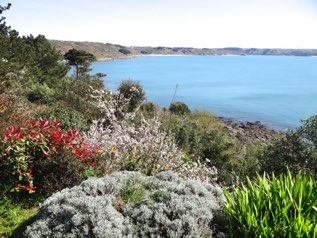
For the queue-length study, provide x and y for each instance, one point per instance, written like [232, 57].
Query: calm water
[276, 90]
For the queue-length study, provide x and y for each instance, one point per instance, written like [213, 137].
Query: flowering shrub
[144, 147]
[25, 150]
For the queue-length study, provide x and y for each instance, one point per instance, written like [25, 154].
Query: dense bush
[128, 204]
[133, 92]
[204, 140]
[41, 94]
[283, 206]
[124, 51]
[179, 108]
[43, 157]
[14, 110]
[308, 129]
[295, 150]
[69, 118]
[289, 152]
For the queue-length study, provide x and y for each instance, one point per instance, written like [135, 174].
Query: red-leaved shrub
[42, 157]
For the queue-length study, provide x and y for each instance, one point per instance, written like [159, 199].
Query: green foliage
[124, 51]
[77, 94]
[132, 191]
[292, 152]
[133, 92]
[245, 160]
[161, 196]
[201, 137]
[295, 150]
[2, 9]
[13, 215]
[81, 60]
[149, 110]
[179, 108]
[308, 129]
[68, 116]
[283, 206]
[41, 94]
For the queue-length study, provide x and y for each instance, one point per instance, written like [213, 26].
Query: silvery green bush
[168, 206]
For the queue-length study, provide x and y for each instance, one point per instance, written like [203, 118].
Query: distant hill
[106, 51]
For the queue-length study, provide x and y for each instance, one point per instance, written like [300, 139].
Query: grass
[132, 191]
[14, 216]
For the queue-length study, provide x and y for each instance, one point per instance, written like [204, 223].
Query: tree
[124, 51]
[179, 108]
[80, 59]
[2, 9]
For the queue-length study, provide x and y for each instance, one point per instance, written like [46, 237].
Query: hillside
[106, 51]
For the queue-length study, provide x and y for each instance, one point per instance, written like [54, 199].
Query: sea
[278, 91]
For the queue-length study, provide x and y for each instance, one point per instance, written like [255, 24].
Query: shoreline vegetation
[78, 160]
[238, 130]
[107, 51]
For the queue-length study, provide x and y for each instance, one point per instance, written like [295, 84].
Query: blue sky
[193, 23]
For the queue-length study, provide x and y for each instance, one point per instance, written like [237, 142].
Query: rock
[249, 131]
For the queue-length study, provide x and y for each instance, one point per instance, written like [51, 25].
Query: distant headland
[107, 51]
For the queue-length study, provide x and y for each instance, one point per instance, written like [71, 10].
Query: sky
[173, 23]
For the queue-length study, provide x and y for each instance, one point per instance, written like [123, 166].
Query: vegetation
[179, 108]
[124, 51]
[283, 206]
[56, 131]
[105, 50]
[132, 92]
[32, 156]
[13, 215]
[128, 204]
[81, 60]
[296, 151]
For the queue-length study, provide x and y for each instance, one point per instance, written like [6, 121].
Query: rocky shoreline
[249, 131]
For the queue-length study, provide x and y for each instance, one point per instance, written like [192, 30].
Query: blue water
[276, 90]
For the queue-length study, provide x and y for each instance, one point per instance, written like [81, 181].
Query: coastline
[249, 131]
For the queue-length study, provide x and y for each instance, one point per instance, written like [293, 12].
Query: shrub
[69, 118]
[203, 139]
[283, 206]
[179, 108]
[145, 148]
[14, 110]
[149, 109]
[308, 129]
[124, 51]
[289, 152]
[42, 156]
[171, 207]
[133, 92]
[77, 95]
[41, 94]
